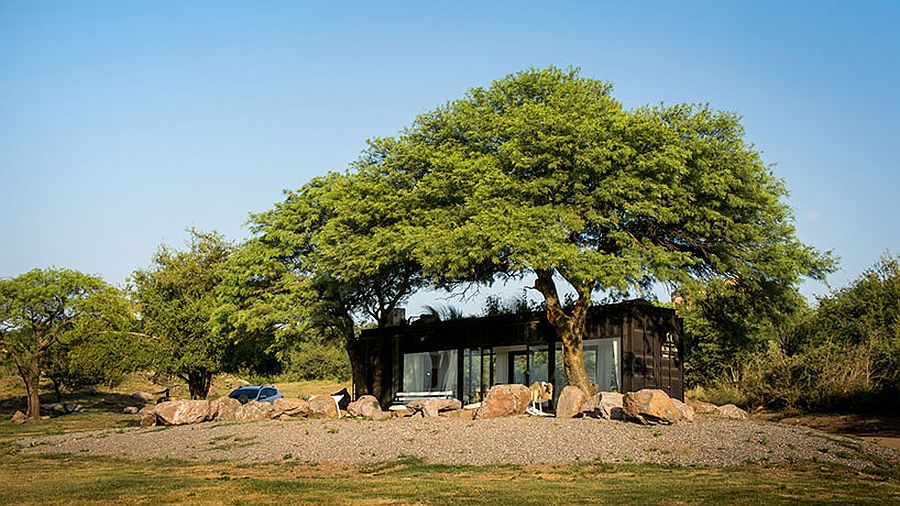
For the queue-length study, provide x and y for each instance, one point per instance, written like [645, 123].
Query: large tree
[176, 300]
[43, 308]
[544, 173]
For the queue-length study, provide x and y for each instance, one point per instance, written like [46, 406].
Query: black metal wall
[650, 338]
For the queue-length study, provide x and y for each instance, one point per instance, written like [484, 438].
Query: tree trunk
[357, 371]
[198, 384]
[569, 327]
[31, 376]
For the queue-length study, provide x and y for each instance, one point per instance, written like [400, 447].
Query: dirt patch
[882, 429]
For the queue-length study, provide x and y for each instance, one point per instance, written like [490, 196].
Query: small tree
[176, 299]
[338, 242]
[42, 308]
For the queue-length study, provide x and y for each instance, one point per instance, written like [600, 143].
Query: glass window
[601, 361]
[433, 371]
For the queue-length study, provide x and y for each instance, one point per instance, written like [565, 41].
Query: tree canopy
[176, 299]
[545, 172]
[45, 309]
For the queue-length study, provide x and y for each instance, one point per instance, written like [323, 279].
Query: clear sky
[123, 123]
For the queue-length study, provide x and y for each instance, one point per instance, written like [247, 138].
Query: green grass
[32, 479]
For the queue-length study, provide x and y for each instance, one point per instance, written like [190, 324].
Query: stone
[72, 407]
[732, 411]
[323, 406]
[468, 413]
[700, 407]
[433, 407]
[400, 412]
[130, 410]
[570, 400]
[18, 417]
[686, 412]
[650, 406]
[504, 400]
[183, 412]
[143, 397]
[242, 383]
[226, 409]
[292, 407]
[255, 411]
[366, 406]
[606, 405]
[148, 416]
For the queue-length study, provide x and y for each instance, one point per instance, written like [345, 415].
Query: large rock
[433, 407]
[732, 411]
[226, 409]
[686, 412]
[183, 412]
[606, 405]
[255, 411]
[504, 400]
[18, 417]
[323, 406]
[650, 406]
[700, 407]
[143, 396]
[366, 406]
[570, 400]
[148, 416]
[292, 407]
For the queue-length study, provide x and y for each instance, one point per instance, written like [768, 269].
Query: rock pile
[226, 409]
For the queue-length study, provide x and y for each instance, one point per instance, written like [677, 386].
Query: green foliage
[319, 361]
[545, 172]
[495, 306]
[843, 354]
[176, 300]
[50, 318]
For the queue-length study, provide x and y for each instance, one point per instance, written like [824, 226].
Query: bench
[404, 398]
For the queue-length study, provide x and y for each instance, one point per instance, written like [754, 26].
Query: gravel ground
[708, 441]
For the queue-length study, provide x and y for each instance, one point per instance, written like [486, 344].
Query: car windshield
[248, 391]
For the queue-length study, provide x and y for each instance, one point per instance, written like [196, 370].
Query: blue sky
[123, 123]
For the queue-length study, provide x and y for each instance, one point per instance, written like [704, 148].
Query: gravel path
[708, 441]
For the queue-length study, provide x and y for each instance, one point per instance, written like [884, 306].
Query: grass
[32, 479]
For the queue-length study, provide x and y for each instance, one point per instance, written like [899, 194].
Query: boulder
[255, 411]
[56, 407]
[650, 406]
[226, 409]
[504, 400]
[400, 411]
[18, 417]
[148, 416]
[732, 411]
[72, 407]
[570, 400]
[433, 407]
[686, 412]
[143, 397]
[292, 407]
[242, 383]
[130, 410]
[606, 405]
[366, 407]
[700, 407]
[183, 412]
[323, 406]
